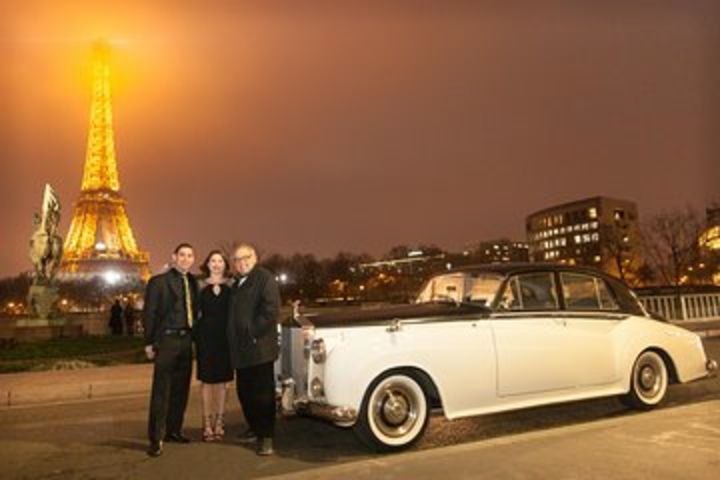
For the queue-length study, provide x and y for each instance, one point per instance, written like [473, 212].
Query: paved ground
[601, 439]
[681, 442]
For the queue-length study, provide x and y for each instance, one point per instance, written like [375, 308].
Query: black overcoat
[253, 319]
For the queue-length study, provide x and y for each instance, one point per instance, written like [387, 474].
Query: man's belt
[179, 332]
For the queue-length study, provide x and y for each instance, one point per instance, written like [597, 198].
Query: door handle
[394, 326]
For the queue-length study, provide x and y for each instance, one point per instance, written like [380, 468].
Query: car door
[531, 341]
[592, 316]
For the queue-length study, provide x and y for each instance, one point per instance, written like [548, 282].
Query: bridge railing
[696, 306]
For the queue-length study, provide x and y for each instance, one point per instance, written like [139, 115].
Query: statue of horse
[46, 245]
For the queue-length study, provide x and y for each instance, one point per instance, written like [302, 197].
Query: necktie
[188, 301]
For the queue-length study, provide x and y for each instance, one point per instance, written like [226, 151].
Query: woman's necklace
[216, 288]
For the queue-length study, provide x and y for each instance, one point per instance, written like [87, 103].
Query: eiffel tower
[100, 241]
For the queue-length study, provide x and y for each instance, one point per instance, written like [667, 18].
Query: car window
[477, 288]
[607, 299]
[482, 288]
[530, 291]
[442, 287]
[586, 292]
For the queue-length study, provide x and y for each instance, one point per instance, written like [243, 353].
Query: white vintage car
[482, 340]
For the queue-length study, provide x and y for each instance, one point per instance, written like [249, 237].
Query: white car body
[485, 361]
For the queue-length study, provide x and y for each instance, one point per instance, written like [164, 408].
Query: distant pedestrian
[252, 332]
[214, 369]
[115, 324]
[129, 315]
[170, 310]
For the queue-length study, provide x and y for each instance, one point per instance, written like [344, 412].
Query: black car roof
[523, 267]
[625, 299]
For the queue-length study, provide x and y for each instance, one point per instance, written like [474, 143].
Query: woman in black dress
[213, 357]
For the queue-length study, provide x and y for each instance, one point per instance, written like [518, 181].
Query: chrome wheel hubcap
[395, 410]
[648, 378]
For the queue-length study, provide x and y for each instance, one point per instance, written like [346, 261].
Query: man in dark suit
[252, 333]
[168, 316]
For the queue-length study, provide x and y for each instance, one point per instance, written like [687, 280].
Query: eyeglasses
[243, 258]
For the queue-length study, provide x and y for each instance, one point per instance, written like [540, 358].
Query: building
[413, 262]
[599, 231]
[100, 241]
[500, 251]
[710, 238]
[710, 241]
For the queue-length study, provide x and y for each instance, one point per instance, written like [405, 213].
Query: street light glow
[111, 277]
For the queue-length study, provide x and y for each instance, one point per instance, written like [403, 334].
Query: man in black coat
[252, 333]
[171, 300]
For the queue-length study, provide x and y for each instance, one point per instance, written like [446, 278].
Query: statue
[45, 253]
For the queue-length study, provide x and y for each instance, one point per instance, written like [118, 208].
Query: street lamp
[111, 277]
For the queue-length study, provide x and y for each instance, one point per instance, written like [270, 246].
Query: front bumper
[343, 416]
[290, 404]
[711, 366]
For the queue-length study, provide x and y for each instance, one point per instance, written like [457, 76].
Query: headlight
[307, 334]
[317, 350]
[317, 388]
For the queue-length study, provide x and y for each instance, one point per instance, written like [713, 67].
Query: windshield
[477, 288]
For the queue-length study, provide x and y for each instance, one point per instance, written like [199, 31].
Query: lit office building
[710, 239]
[500, 251]
[598, 231]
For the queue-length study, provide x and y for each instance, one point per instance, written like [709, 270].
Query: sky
[326, 126]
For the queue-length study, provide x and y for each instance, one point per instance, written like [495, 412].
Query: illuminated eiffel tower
[100, 240]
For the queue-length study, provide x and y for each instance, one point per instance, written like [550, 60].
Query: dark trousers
[170, 386]
[256, 392]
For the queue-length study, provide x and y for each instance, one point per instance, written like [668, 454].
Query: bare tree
[670, 244]
[618, 246]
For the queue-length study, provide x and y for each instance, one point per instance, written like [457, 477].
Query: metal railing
[696, 306]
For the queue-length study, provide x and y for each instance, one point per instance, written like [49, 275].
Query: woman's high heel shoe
[208, 433]
[219, 427]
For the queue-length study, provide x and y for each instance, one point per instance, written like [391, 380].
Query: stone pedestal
[42, 300]
[44, 322]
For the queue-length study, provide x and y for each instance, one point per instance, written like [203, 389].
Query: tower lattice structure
[100, 240]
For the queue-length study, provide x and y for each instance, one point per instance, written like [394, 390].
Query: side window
[530, 291]
[511, 299]
[607, 300]
[585, 292]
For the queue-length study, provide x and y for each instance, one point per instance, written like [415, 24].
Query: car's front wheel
[394, 412]
[648, 383]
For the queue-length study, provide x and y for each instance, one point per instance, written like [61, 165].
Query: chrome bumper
[344, 416]
[302, 405]
[711, 366]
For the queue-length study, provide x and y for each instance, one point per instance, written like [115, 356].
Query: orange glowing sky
[359, 125]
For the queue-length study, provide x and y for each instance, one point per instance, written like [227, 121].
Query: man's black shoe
[247, 437]
[155, 449]
[265, 447]
[176, 438]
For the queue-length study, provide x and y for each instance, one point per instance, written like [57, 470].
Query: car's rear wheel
[394, 412]
[648, 383]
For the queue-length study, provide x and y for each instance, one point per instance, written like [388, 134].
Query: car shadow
[442, 432]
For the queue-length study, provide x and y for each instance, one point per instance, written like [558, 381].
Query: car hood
[395, 312]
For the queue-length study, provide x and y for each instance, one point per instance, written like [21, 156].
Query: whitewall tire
[394, 413]
[648, 382]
